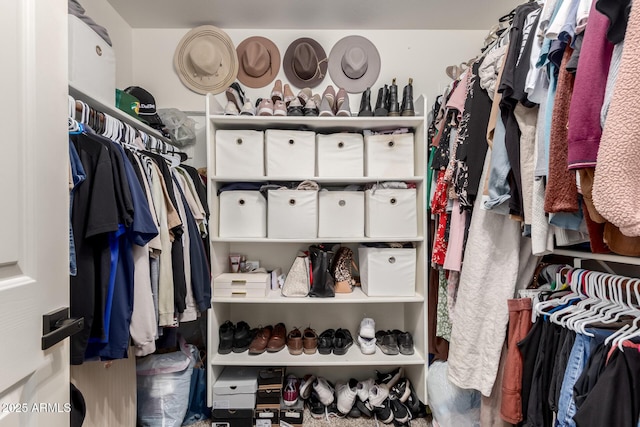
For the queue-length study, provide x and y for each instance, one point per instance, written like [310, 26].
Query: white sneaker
[346, 395]
[363, 387]
[377, 394]
[306, 386]
[367, 345]
[367, 328]
[324, 391]
[231, 109]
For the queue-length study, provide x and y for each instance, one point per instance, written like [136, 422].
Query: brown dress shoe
[309, 341]
[259, 343]
[278, 338]
[294, 342]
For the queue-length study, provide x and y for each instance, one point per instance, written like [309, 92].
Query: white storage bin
[293, 214]
[236, 388]
[391, 213]
[92, 62]
[341, 214]
[387, 271]
[389, 155]
[240, 153]
[242, 214]
[340, 154]
[290, 153]
[242, 285]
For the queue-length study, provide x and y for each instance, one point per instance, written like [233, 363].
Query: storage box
[391, 213]
[232, 418]
[92, 62]
[236, 388]
[341, 214]
[242, 214]
[293, 415]
[389, 155]
[292, 214]
[270, 379]
[268, 417]
[387, 271]
[241, 285]
[268, 398]
[340, 154]
[240, 153]
[290, 153]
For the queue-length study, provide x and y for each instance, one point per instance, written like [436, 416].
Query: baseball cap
[147, 109]
[127, 103]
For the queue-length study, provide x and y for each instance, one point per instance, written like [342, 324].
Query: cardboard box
[270, 379]
[293, 415]
[269, 398]
[236, 388]
[269, 417]
[232, 418]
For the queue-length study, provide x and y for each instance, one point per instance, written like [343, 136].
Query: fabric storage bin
[290, 153]
[242, 285]
[340, 154]
[236, 388]
[391, 213]
[242, 214]
[387, 271]
[389, 155]
[232, 418]
[240, 153]
[92, 62]
[341, 214]
[292, 214]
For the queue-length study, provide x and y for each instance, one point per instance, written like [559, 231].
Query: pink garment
[453, 259]
[588, 93]
[459, 96]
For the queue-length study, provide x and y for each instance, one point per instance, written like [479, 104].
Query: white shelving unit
[344, 310]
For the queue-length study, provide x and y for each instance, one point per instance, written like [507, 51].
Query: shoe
[316, 407]
[390, 378]
[363, 387]
[325, 108]
[417, 408]
[378, 393]
[304, 95]
[290, 391]
[344, 110]
[294, 342]
[363, 408]
[278, 339]
[401, 390]
[280, 109]
[311, 108]
[407, 100]
[381, 103]
[341, 270]
[400, 412]
[342, 340]
[226, 332]
[306, 386]
[383, 412]
[309, 341]
[276, 92]
[265, 108]
[405, 343]
[333, 411]
[367, 345]
[387, 342]
[354, 412]
[231, 109]
[248, 109]
[367, 328]
[325, 341]
[288, 95]
[295, 108]
[260, 341]
[330, 94]
[242, 337]
[341, 96]
[235, 94]
[365, 104]
[393, 106]
[346, 393]
[325, 391]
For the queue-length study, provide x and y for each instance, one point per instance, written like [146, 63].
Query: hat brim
[270, 75]
[151, 119]
[338, 76]
[287, 64]
[214, 84]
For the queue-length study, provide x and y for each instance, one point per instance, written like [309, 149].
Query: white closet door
[34, 224]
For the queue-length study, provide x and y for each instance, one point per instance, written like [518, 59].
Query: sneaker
[316, 407]
[235, 94]
[290, 391]
[288, 95]
[400, 412]
[276, 92]
[306, 386]
[280, 109]
[325, 108]
[325, 341]
[248, 109]
[405, 343]
[383, 412]
[417, 408]
[378, 393]
[295, 108]
[310, 108]
[367, 328]
[325, 391]
[333, 411]
[363, 387]
[367, 345]
[342, 340]
[363, 408]
[265, 108]
[231, 109]
[387, 342]
[354, 412]
[390, 378]
[330, 95]
[304, 95]
[401, 390]
[242, 337]
[226, 332]
[346, 393]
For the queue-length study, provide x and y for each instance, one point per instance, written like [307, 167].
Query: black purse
[322, 282]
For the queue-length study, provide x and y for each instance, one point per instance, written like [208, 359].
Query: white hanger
[560, 317]
[74, 126]
[607, 290]
[539, 307]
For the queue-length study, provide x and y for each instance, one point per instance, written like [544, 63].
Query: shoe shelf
[321, 179]
[355, 297]
[317, 239]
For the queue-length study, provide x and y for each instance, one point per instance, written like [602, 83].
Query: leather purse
[298, 279]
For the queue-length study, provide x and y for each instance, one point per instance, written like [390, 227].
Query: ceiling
[317, 14]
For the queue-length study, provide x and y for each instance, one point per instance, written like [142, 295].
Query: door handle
[57, 326]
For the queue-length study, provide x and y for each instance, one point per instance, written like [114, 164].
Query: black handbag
[322, 282]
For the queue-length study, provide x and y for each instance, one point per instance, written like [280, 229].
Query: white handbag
[298, 281]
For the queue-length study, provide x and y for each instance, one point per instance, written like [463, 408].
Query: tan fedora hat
[206, 60]
[354, 64]
[305, 63]
[259, 61]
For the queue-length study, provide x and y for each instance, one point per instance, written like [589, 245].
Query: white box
[340, 154]
[341, 214]
[92, 62]
[242, 285]
[389, 155]
[236, 388]
[290, 153]
[388, 271]
[293, 214]
[391, 213]
[240, 153]
[242, 214]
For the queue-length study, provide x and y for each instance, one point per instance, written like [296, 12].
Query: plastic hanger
[607, 292]
[627, 330]
[560, 315]
[596, 283]
[539, 308]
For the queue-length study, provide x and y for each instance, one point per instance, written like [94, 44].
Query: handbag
[322, 282]
[298, 280]
[343, 265]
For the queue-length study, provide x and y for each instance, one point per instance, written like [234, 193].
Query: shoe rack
[407, 313]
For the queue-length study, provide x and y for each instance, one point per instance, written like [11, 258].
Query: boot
[394, 107]
[365, 104]
[407, 100]
[381, 103]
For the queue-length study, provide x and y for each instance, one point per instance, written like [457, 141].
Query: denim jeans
[77, 175]
[577, 361]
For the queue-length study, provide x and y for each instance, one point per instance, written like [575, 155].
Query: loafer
[325, 341]
[242, 337]
[278, 338]
[294, 342]
[309, 341]
[342, 340]
[226, 332]
[260, 341]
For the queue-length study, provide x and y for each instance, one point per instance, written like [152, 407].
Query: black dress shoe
[393, 105]
[242, 337]
[325, 341]
[407, 108]
[381, 103]
[226, 333]
[342, 341]
[365, 104]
